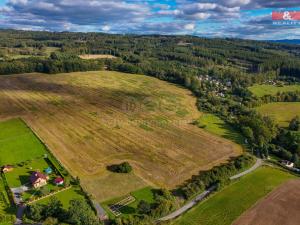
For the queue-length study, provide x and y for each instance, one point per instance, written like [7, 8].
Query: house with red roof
[38, 179]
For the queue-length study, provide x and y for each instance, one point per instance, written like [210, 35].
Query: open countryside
[95, 119]
[142, 113]
[227, 205]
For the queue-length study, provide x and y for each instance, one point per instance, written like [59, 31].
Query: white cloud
[105, 28]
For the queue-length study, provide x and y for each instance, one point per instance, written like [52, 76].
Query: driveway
[17, 192]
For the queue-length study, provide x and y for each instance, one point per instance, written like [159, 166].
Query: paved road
[189, 205]
[204, 194]
[258, 163]
[20, 212]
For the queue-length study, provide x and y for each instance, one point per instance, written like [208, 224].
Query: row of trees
[51, 65]
[219, 175]
[279, 97]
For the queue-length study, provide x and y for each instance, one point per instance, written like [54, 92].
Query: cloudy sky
[211, 18]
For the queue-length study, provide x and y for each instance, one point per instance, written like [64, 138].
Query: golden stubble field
[93, 119]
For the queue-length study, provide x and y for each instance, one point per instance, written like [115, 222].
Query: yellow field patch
[89, 56]
[93, 119]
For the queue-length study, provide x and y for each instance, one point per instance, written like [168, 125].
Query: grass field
[217, 126]
[281, 112]
[94, 119]
[65, 196]
[16, 137]
[16, 53]
[227, 205]
[20, 175]
[261, 90]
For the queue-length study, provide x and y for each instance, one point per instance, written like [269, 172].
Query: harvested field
[282, 206]
[97, 56]
[94, 119]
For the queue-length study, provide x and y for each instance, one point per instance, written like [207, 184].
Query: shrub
[124, 167]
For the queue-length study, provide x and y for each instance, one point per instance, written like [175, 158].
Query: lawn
[146, 194]
[18, 143]
[7, 212]
[20, 175]
[216, 125]
[281, 112]
[261, 90]
[66, 196]
[227, 205]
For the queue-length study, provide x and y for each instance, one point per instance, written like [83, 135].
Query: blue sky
[249, 19]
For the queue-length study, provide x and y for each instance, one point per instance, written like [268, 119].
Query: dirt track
[281, 207]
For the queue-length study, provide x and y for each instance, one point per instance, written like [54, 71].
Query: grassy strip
[216, 125]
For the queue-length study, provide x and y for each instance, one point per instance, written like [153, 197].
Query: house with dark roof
[38, 179]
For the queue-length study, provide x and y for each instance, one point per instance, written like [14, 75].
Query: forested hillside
[169, 57]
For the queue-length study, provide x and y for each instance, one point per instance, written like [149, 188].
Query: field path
[204, 194]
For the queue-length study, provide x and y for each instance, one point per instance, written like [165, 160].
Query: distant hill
[288, 41]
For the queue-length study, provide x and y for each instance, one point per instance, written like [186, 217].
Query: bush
[124, 167]
[144, 207]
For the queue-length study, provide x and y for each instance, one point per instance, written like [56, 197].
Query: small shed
[48, 170]
[7, 168]
[287, 163]
[58, 181]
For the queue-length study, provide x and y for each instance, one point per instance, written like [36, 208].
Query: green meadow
[264, 89]
[18, 143]
[216, 125]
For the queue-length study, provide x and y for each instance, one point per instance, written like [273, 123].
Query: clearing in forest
[89, 56]
[90, 120]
